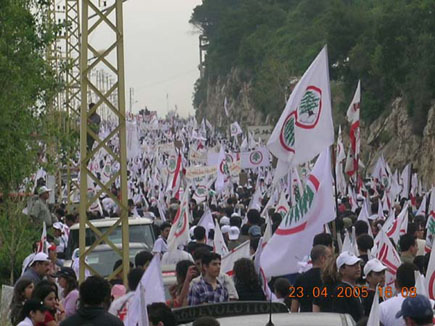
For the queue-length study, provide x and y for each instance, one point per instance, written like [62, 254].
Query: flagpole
[334, 229]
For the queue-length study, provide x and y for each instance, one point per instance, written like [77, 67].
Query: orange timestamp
[347, 292]
[388, 292]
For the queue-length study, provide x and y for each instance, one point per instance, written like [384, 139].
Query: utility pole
[72, 92]
[96, 19]
[131, 99]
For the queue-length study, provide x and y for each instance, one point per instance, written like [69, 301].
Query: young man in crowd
[143, 259]
[408, 248]
[161, 244]
[349, 269]
[200, 240]
[310, 279]
[209, 289]
[374, 273]
[405, 279]
[223, 278]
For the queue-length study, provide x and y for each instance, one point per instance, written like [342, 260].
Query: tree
[27, 84]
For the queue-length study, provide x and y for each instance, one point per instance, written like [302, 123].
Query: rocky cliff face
[391, 134]
[240, 106]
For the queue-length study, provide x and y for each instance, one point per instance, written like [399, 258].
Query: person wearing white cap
[233, 236]
[39, 268]
[39, 209]
[374, 273]
[61, 239]
[345, 300]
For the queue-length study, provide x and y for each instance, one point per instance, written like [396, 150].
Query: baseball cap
[43, 189]
[225, 229]
[346, 258]
[234, 233]
[416, 307]
[58, 226]
[373, 265]
[40, 256]
[66, 272]
[225, 220]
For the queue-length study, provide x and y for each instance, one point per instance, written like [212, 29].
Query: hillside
[257, 49]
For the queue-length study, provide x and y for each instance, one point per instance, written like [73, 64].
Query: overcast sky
[161, 54]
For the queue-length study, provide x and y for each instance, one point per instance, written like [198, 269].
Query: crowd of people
[340, 260]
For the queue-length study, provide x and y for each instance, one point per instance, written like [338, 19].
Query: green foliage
[17, 233]
[388, 44]
[26, 85]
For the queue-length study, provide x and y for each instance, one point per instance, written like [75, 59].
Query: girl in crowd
[68, 282]
[46, 292]
[22, 292]
[246, 281]
[32, 313]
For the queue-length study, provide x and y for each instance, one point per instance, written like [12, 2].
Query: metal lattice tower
[108, 24]
[72, 87]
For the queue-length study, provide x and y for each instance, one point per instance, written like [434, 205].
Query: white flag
[388, 256]
[221, 170]
[420, 284]
[207, 223]
[235, 129]
[374, 311]
[282, 207]
[405, 176]
[394, 231]
[227, 262]
[353, 117]
[149, 290]
[305, 128]
[226, 107]
[422, 208]
[430, 276]
[292, 241]
[219, 245]
[179, 234]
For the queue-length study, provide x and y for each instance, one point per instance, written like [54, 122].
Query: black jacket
[249, 293]
[346, 301]
[92, 316]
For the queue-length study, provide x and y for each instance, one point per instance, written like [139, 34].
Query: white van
[140, 230]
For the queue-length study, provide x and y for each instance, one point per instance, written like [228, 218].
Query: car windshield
[104, 260]
[140, 233]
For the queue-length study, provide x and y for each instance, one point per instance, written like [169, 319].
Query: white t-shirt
[26, 322]
[388, 310]
[160, 246]
[173, 257]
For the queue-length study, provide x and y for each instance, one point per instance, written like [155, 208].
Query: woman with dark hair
[246, 281]
[68, 282]
[22, 292]
[46, 292]
[185, 271]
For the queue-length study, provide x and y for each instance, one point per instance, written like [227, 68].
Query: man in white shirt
[405, 280]
[161, 245]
